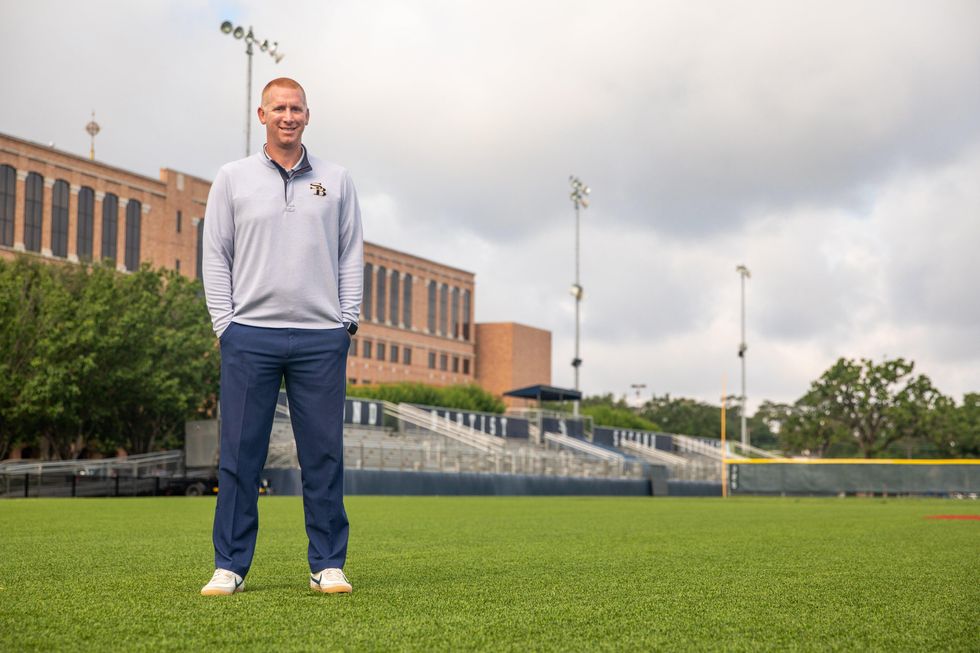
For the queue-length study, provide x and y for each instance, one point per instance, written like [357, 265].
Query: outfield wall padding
[886, 477]
[366, 481]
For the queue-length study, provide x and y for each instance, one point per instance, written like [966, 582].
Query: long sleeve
[351, 254]
[219, 252]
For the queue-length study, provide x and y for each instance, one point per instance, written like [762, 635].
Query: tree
[958, 430]
[462, 397]
[876, 404]
[685, 416]
[92, 359]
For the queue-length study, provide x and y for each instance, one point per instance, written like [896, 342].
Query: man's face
[285, 116]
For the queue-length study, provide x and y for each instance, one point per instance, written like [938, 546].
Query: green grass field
[501, 574]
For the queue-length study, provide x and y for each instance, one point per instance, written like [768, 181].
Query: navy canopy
[545, 393]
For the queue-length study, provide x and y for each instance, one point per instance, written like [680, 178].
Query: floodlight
[227, 27]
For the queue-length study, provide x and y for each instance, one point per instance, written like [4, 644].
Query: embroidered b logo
[318, 189]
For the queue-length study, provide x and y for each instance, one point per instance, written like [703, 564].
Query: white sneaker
[223, 583]
[330, 581]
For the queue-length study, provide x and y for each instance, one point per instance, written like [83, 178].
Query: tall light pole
[580, 198]
[250, 38]
[637, 387]
[744, 273]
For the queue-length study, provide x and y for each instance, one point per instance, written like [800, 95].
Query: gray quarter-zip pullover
[283, 248]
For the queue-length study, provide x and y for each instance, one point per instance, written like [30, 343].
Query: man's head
[284, 113]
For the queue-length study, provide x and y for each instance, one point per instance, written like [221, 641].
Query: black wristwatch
[352, 328]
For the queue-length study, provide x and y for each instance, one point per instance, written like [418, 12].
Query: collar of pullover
[301, 168]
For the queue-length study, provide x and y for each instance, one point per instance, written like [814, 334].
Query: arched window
[454, 315]
[133, 211]
[8, 199]
[467, 309]
[366, 300]
[443, 310]
[59, 218]
[407, 301]
[200, 249]
[381, 294]
[431, 317]
[86, 209]
[110, 226]
[393, 304]
[33, 211]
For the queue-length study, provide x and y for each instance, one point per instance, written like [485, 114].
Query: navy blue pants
[254, 361]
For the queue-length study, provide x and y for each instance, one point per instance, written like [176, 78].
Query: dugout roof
[545, 393]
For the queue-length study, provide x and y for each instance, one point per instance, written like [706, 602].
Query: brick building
[416, 319]
[510, 356]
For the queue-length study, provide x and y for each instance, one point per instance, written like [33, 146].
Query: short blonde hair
[284, 82]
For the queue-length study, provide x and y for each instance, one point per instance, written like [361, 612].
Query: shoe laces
[223, 575]
[334, 574]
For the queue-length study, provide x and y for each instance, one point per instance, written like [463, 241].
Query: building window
[8, 200]
[59, 218]
[431, 322]
[180, 217]
[353, 348]
[200, 249]
[455, 364]
[351, 381]
[177, 266]
[444, 362]
[407, 301]
[86, 211]
[110, 226]
[432, 360]
[394, 354]
[367, 350]
[443, 308]
[466, 366]
[393, 307]
[368, 287]
[381, 351]
[407, 355]
[33, 211]
[467, 309]
[133, 215]
[454, 314]
[382, 296]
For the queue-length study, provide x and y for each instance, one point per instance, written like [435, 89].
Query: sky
[831, 147]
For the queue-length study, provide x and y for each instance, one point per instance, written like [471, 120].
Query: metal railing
[583, 446]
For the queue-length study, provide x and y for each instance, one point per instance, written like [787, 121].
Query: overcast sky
[832, 147]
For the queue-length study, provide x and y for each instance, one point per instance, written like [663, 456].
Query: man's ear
[261, 113]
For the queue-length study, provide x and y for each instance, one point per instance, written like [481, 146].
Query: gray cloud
[832, 147]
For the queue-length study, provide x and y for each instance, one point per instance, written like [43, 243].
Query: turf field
[501, 574]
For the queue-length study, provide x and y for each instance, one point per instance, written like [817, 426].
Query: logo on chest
[318, 189]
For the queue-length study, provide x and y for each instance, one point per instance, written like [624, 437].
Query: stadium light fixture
[239, 33]
[744, 273]
[580, 198]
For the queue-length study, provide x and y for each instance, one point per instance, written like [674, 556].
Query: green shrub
[462, 397]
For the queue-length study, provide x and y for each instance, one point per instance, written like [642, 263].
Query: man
[283, 274]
